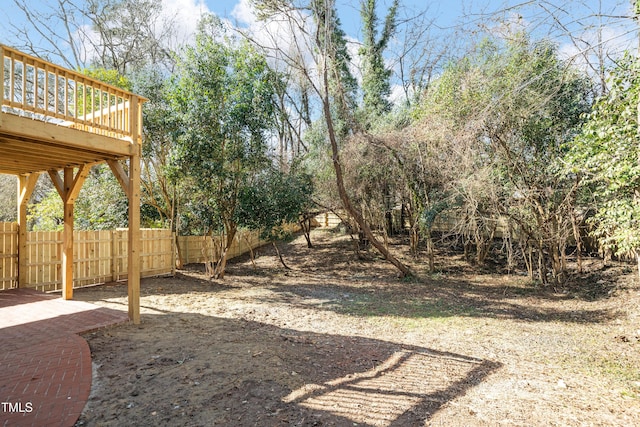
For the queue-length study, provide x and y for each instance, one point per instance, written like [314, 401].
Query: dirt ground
[340, 341]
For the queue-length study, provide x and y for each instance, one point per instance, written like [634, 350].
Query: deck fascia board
[12, 126]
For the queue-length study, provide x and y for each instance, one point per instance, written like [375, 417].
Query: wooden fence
[194, 248]
[8, 254]
[326, 219]
[99, 256]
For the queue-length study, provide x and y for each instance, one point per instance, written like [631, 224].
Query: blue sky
[188, 11]
[446, 13]
[577, 15]
[453, 21]
[454, 12]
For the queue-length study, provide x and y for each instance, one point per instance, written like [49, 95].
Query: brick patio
[45, 366]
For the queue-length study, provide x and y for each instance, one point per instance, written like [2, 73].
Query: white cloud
[86, 39]
[281, 37]
[244, 13]
[183, 15]
[596, 48]
[611, 41]
[353, 47]
[398, 95]
[180, 16]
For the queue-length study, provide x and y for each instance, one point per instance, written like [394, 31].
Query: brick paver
[45, 367]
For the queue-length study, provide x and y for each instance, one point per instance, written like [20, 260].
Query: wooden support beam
[58, 183]
[67, 237]
[135, 246]
[71, 185]
[130, 183]
[76, 185]
[120, 174]
[26, 184]
[67, 252]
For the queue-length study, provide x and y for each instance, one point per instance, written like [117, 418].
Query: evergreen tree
[376, 86]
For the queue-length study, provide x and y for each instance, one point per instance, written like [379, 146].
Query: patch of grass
[633, 393]
[620, 369]
[373, 306]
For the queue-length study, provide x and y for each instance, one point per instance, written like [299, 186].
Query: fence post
[26, 185]
[174, 253]
[114, 255]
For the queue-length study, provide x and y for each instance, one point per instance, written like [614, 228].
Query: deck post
[67, 237]
[68, 187]
[133, 277]
[133, 274]
[26, 184]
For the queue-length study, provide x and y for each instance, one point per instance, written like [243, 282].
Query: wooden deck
[54, 118]
[60, 122]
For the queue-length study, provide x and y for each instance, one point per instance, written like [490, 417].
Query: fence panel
[195, 249]
[44, 260]
[158, 256]
[326, 219]
[8, 255]
[91, 257]
[99, 256]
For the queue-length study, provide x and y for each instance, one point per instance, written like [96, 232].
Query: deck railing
[38, 89]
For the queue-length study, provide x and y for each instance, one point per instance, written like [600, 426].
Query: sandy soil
[339, 341]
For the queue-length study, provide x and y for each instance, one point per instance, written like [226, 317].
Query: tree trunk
[251, 253]
[208, 260]
[527, 252]
[414, 239]
[221, 265]
[509, 248]
[179, 259]
[280, 256]
[305, 224]
[483, 246]
[430, 253]
[174, 228]
[542, 266]
[556, 266]
[578, 238]
[344, 197]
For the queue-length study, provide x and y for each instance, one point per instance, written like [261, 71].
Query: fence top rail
[35, 88]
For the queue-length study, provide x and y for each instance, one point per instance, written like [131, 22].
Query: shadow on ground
[225, 352]
[191, 369]
[447, 298]
[330, 277]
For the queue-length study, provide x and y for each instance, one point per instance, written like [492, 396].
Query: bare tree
[114, 34]
[419, 51]
[130, 35]
[315, 49]
[56, 31]
[592, 34]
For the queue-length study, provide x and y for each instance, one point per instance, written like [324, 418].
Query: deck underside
[28, 145]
